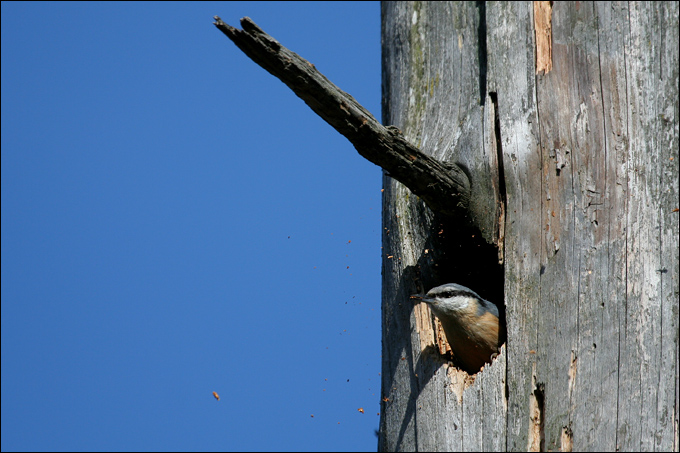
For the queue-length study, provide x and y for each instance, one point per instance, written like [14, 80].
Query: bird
[471, 323]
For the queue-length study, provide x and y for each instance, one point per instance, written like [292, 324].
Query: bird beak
[423, 298]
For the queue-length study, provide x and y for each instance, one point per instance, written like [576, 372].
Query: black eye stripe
[454, 293]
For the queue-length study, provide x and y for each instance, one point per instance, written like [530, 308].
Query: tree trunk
[565, 120]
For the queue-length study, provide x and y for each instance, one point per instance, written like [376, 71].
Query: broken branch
[445, 189]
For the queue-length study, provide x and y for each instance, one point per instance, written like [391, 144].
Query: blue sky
[175, 222]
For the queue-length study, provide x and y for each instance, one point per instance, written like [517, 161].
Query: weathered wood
[510, 46]
[648, 320]
[434, 89]
[579, 179]
[573, 171]
[589, 155]
[445, 189]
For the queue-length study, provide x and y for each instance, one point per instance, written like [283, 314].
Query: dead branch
[445, 189]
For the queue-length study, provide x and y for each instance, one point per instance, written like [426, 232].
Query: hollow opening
[458, 254]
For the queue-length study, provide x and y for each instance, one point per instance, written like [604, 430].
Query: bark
[588, 161]
[434, 89]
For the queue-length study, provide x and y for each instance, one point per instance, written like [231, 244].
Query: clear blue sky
[176, 222]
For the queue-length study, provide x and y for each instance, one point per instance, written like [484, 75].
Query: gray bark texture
[574, 199]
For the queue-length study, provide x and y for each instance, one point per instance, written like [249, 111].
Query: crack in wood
[536, 438]
[501, 177]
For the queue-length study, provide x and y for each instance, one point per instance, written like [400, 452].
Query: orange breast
[473, 340]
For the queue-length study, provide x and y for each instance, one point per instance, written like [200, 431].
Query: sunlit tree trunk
[565, 119]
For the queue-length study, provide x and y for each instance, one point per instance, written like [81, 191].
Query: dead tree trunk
[542, 145]
[565, 120]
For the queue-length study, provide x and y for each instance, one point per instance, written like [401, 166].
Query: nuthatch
[470, 323]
